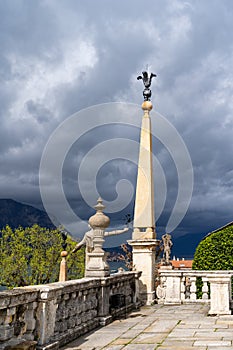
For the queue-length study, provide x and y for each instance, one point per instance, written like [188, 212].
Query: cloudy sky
[58, 58]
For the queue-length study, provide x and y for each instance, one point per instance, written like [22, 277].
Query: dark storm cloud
[59, 57]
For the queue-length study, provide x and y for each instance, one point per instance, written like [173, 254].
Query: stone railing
[57, 313]
[191, 286]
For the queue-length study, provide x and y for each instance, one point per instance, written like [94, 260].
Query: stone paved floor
[159, 327]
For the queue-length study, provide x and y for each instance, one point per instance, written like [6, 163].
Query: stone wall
[18, 314]
[57, 313]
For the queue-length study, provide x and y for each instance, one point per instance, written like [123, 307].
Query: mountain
[16, 214]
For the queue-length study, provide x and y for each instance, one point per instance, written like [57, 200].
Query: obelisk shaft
[144, 218]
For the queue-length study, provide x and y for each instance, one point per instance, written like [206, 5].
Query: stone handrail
[57, 313]
[191, 286]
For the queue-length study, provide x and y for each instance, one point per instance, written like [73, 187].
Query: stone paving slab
[149, 338]
[121, 341]
[114, 347]
[158, 327]
[222, 348]
[181, 347]
[132, 333]
[162, 326]
[139, 347]
[214, 326]
[215, 343]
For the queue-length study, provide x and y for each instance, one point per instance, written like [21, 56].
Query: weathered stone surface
[22, 345]
[11, 311]
[4, 300]
[6, 332]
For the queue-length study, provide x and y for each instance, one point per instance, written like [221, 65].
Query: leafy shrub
[215, 252]
[30, 256]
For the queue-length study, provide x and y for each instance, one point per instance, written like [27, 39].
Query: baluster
[193, 288]
[182, 289]
[205, 289]
[187, 287]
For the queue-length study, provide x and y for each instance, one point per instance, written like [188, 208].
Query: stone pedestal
[144, 261]
[220, 294]
[173, 291]
[97, 265]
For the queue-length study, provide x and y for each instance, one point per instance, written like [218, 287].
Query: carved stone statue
[167, 244]
[88, 240]
[147, 83]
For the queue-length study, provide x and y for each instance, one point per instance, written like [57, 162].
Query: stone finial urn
[99, 220]
[97, 265]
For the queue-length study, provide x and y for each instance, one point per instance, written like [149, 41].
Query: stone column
[144, 237]
[103, 306]
[97, 265]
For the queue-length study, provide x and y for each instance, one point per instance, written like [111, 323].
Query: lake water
[2, 288]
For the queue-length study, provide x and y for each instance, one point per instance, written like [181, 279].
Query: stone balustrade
[56, 313]
[191, 286]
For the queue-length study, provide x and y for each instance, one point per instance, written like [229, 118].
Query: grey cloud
[189, 46]
[39, 112]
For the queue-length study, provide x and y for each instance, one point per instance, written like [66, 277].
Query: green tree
[215, 252]
[30, 256]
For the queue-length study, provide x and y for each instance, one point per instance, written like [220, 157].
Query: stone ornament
[96, 264]
[161, 290]
[167, 244]
[147, 83]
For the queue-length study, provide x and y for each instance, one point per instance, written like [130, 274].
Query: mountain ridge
[15, 214]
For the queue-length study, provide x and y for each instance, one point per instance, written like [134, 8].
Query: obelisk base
[144, 261]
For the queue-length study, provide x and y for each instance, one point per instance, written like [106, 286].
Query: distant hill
[116, 250]
[16, 214]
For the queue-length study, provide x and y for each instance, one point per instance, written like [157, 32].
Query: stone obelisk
[144, 236]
